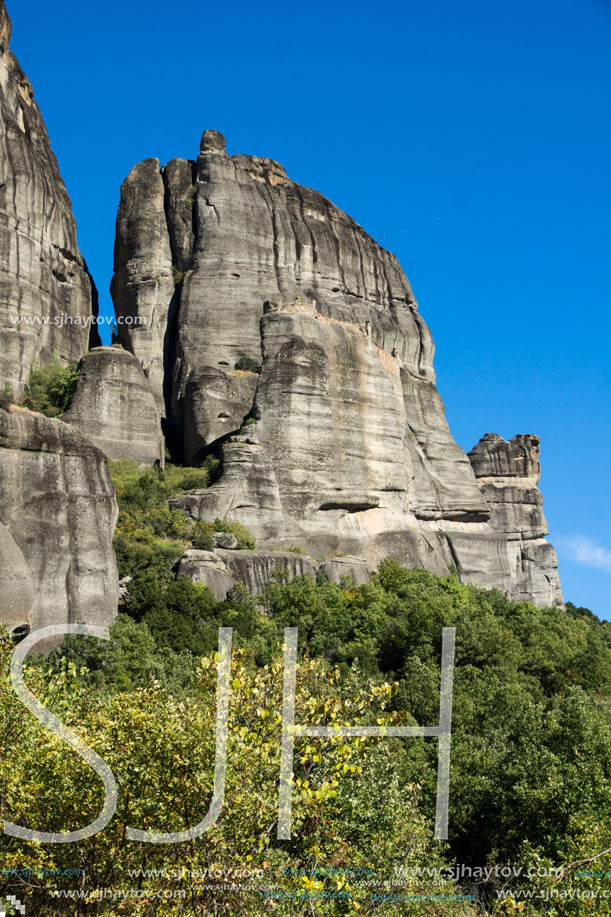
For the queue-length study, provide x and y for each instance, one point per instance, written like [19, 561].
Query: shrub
[247, 364]
[50, 388]
[201, 536]
[7, 396]
[246, 540]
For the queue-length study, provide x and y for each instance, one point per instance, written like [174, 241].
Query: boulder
[225, 540]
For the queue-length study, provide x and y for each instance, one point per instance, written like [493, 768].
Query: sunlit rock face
[114, 406]
[58, 511]
[282, 336]
[47, 297]
[508, 474]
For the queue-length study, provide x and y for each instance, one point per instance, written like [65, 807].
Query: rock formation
[57, 516]
[266, 303]
[508, 474]
[46, 293]
[113, 405]
[220, 569]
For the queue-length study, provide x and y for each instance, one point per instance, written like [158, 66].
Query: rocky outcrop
[333, 463]
[143, 286]
[221, 569]
[508, 473]
[283, 311]
[57, 516]
[114, 406]
[16, 586]
[46, 293]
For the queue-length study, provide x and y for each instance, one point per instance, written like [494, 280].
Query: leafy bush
[531, 732]
[50, 388]
[247, 364]
[353, 805]
[201, 536]
[246, 540]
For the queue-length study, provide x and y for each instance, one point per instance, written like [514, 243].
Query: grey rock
[225, 540]
[58, 511]
[351, 450]
[222, 569]
[124, 595]
[143, 283]
[255, 569]
[16, 587]
[208, 568]
[508, 474]
[356, 568]
[331, 465]
[114, 406]
[44, 282]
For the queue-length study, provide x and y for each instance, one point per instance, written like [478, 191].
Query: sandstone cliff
[57, 516]
[266, 303]
[46, 293]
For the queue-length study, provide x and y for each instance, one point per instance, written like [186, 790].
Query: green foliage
[246, 540]
[531, 739]
[50, 388]
[352, 804]
[7, 396]
[177, 276]
[247, 364]
[201, 536]
[190, 201]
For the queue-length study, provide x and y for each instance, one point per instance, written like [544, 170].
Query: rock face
[57, 516]
[222, 569]
[508, 474]
[114, 406]
[46, 293]
[284, 311]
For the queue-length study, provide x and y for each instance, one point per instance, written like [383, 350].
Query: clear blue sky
[471, 138]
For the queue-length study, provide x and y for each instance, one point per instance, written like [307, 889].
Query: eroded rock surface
[114, 406]
[508, 473]
[46, 293]
[332, 463]
[221, 569]
[57, 512]
[283, 310]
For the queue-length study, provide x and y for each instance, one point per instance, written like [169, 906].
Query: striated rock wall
[284, 311]
[508, 473]
[220, 570]
[114, 406]
[46, 294]
[332, 463]
[57, 516]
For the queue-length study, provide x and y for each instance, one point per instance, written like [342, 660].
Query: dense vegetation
[531, 742]
[50, 388]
